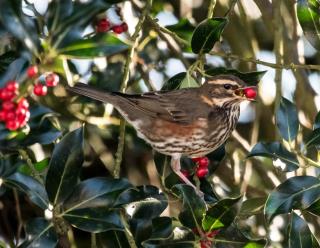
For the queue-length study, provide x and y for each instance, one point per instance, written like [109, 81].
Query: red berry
[117, 29]
[202, 172]
[2, 115]
[8, 105]
[12, 125]
[32, 71]
[23, 103]
[52, 80]
[10, 115]
[7, 95]
[12, 86]
[203, 162]
[250, 93]
[103, 25]
[40, 89]
[124, 27]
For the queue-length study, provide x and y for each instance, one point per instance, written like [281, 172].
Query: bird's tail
[89, 91]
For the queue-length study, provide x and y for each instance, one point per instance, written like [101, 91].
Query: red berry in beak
[250, 93]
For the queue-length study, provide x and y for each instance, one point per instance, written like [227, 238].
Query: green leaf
[309, 16]
[6, 59]
[65, 166]
[95, 193]
[287, 120]
[39, 166]
[252, 206]
[232, 237]
[179, 81]
[299, 234]
[34, 189]
[220, 215]
[94, 220]
[314, 208]
[9, 165]
[100, 45]
[277, 152]
[161, 228]
[39, 233]
[21, 26]
[13, 71]
[250, 78]
[313, 139]
[206, 34]
[193, 206]
[295, 193]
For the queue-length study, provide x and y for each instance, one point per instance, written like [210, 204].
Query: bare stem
[124, 83]
[233, 3]
[291, 66]
[211, 8]
[128, 233]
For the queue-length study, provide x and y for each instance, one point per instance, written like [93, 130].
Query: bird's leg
[176, 167]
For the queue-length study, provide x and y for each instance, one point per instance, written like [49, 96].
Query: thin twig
[34, 172]
[123, 86]
[233, 3]
[127, 232]
[211, 8]
[291, 66]
[19, 217]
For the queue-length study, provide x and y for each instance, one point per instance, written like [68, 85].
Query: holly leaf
[39, 233]
[309, 16]
[193, 206]
[64, 166]
[252, 206]
[180, 81]
[206, 34]
[298, 192]
[313, 139]
[277, 152]
[183, 29]
[287, 120]
[100, 45]
[250, 78]
[299, 233]
[34, 189]
[220, 215]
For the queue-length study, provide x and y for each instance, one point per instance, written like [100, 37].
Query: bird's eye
[227, 86]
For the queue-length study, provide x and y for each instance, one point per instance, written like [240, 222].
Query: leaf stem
[124, 83]
[211, 8]
[127, 232]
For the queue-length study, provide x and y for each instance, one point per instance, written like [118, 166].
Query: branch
[291, 66]
[124, 83]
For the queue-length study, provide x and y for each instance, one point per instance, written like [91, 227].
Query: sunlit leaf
[287, 120]
[98, 46]
[309, 17]
[206, 34]
[220, 215]
[295, 193]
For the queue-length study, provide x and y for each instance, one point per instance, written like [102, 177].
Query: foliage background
[41, 171]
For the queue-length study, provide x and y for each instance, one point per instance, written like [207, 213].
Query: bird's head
[227, 88]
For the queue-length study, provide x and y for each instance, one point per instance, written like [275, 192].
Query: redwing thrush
[191, 121]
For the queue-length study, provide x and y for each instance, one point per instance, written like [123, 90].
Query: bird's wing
[171, 106]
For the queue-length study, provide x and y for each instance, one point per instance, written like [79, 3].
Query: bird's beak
[248, 93]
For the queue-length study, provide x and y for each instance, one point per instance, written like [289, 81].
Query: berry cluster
[202, 166]
[40, 88]
[14, 114]
[111, 20]
[104, 25]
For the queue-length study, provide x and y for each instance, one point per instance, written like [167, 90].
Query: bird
[188, 122]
